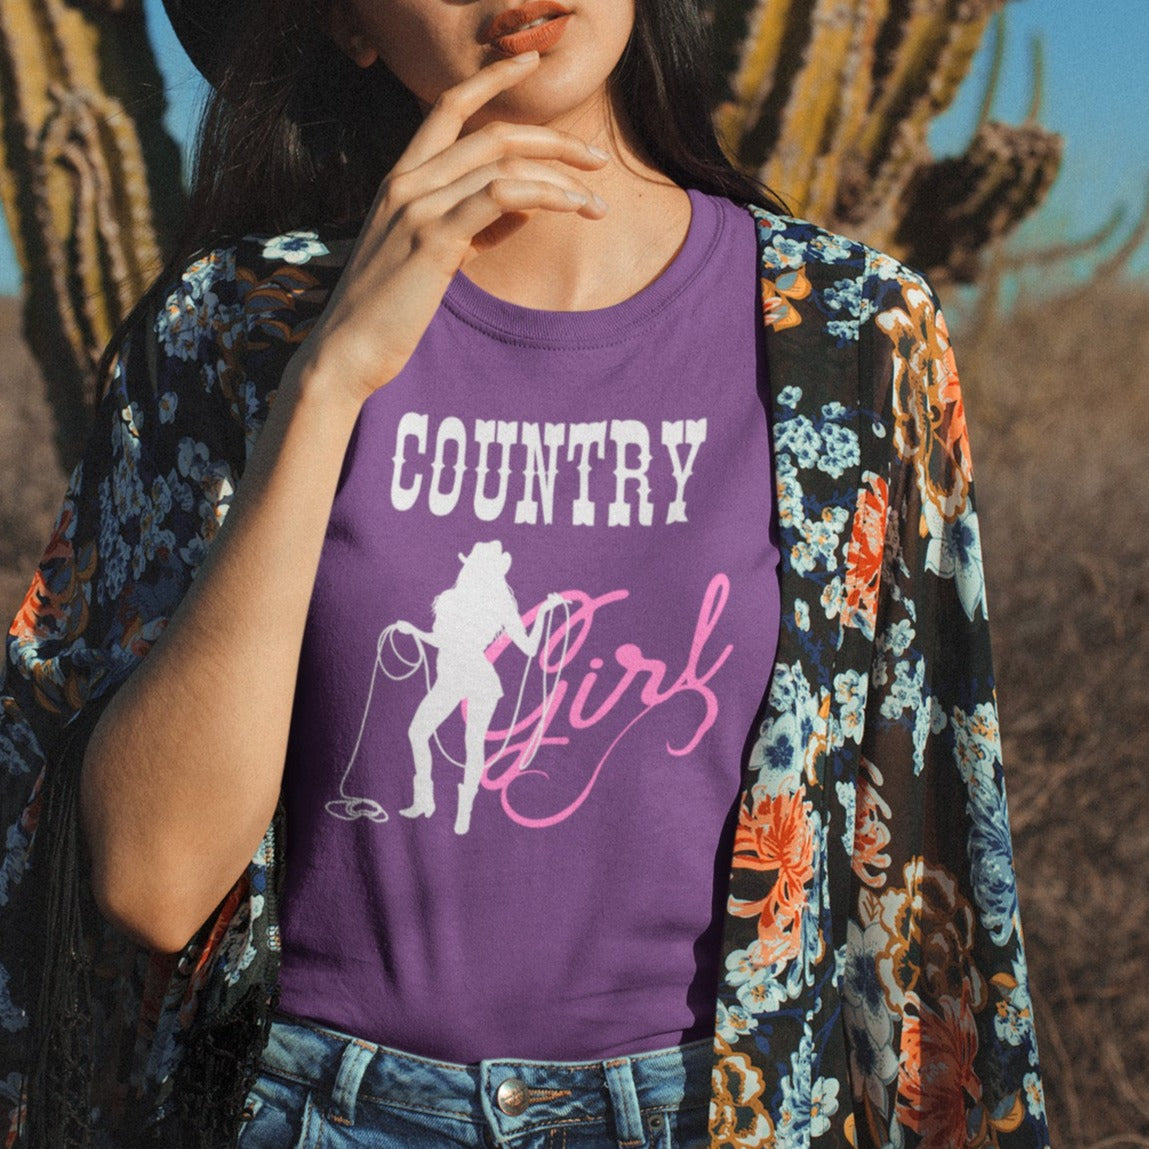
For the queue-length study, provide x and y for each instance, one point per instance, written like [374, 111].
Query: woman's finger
[476, 212]
[494, 143]
[440, 199]
[458, 104]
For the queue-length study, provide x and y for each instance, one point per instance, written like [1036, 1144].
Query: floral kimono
[873, 990]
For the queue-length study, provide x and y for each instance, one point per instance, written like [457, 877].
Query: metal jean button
[512, 1097]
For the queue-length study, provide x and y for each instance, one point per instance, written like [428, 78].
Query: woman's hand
[448, 196]
[177, 787]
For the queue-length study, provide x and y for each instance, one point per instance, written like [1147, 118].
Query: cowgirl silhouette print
[468, 617]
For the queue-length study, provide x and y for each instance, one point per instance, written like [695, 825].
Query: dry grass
[31, 481]
[1060, 411]
[1060, 420]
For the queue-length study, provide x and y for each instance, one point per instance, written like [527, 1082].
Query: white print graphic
[476, 623]
[546, 475]
[468, 618]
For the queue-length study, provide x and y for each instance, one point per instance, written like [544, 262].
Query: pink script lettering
[520, 744]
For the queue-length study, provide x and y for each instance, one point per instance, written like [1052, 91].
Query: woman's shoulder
[789, 243]
[239, 300]
[833, 285]
[249, 275]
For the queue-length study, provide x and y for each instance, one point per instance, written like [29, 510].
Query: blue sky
[1096, 95]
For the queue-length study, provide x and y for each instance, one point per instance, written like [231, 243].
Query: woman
[479, 277]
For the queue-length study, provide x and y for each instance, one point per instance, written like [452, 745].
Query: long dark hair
[295, 135]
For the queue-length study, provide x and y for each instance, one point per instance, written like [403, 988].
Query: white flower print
[294, 247]
[802, 614]
[733, 1021]
[954, 551]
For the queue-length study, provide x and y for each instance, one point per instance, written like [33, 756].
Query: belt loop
[624, 1102]
[352, 1065]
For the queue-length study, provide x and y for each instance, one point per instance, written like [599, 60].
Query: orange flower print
[778, 836]
[43, 607]
[929, 926]
[738, 1117]
[871, 834]
[937, 1084]
[864, 556]
[910, 1069]
[778, 297]
[929, 416]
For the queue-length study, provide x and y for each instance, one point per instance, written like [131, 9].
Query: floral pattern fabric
[874, 988]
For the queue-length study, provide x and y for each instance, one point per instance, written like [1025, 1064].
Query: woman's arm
[183, 771]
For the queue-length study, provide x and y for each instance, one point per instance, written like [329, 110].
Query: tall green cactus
[831, 101]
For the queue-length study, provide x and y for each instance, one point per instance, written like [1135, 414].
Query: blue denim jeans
[321, 1088]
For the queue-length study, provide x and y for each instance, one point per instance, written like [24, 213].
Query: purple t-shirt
[543, 624]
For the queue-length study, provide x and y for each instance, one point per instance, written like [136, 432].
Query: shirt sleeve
[141, 507]
[936, 1005]
[875, 990]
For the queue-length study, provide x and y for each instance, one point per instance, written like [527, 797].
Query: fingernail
[600, 203]
[598, 153]
[525, 57]
[575, 197]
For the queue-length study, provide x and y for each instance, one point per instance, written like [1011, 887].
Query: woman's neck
[559, 262]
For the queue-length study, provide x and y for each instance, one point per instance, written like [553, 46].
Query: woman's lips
[536, 26]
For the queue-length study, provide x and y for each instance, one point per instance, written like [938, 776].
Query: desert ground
[1058, 400]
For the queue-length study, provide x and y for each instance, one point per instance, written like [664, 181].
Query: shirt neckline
[510, 322]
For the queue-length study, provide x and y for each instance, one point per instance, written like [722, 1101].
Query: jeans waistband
[512, 1095]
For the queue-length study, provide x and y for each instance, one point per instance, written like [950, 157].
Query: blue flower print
[1014, 1020]
[903, 695]
[840, 450]
[12, 1017]
[832, 248]
[15, 863]
[294, 247]
[845, 296]
[193, 311]
[797, 437]
[733, 1021]
[845, 299]
[18, 746]
[756, 981]
[887, 268]
[807, 1103]
[785, 253]
[780, 758]
[991, 857]
[897, 637]
[802, 614]
[1034, 1095]
[790, 397]
[954, 551]
[850, 691]
[848, 796]
[872, 1059]
[977, 747]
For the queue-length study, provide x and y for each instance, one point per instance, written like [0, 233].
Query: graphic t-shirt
[543, 623]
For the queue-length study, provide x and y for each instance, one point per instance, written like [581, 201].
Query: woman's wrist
[317, 392]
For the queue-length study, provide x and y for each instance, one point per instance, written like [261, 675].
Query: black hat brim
[200, 26]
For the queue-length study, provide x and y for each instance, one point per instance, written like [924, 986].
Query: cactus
[830, 103]
[86, 171]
